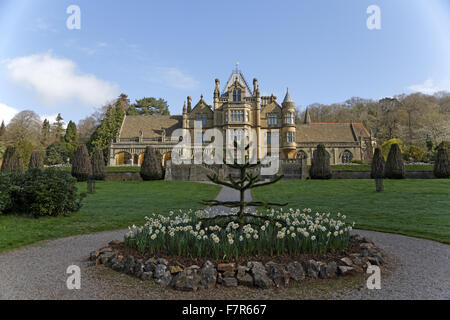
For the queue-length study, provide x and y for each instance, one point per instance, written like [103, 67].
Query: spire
[184, 108]
[288, 98]
[307, 117]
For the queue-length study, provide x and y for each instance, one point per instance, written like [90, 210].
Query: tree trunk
[379, 185]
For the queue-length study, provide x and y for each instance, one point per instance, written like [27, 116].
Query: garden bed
[263, 272]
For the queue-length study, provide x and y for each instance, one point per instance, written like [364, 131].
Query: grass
[418, 208]
[115, 205]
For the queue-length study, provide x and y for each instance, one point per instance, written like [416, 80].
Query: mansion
[237, 106]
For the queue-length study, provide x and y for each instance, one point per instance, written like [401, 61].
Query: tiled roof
[330, 132]
[151, 126]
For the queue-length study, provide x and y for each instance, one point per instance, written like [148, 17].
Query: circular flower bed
[187, 251]
[291, 232]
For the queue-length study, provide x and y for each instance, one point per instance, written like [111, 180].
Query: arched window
[347, 157]
[301, 155]
[234, 95]
[239, 95]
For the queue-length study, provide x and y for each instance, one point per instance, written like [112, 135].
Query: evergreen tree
[320, 164]
[108, 129]
[395, 168]
[377, 173]
[12, 161]
[57, 153]
[45, 132]
[441, 166]
[98, 165]
[81, 165]
[2, 129]
[36, 161]
[59, 127]
[71, 137]
[149, 107]
[151, 168]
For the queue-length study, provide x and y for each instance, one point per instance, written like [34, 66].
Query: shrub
[441, 166]
[81, 165]
[98, 165]
[358, 162]
[413, 153]
[320, 165]
[36, 161]
[12, 161]
[386, 147]
[50, 192]
[395, 168]
[151, 168]
[57, 153]
[377, 171]
[8, 187]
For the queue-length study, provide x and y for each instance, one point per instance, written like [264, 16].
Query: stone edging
[254, 274]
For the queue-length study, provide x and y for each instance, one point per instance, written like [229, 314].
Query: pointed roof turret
[288, 98]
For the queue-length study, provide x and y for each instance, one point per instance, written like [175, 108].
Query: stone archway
[123, 159]
[347, 156]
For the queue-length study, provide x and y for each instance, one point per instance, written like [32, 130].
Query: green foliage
[358, 162]
[49, 192]
[25, 149]
[58, 127]
[151, 168]
[36, 161]
[57, 153]
[441, 166]
[149, 107]
[186, 235]
[415, 154]
[98, 165]
[81, 165]
[395, 168]
[71, 137]
[108, 129]
[320, 164]
[8, 186]
[386, 147]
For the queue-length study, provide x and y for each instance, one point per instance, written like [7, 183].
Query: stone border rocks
[252, 274]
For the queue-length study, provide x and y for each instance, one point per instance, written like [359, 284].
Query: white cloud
[177, 79]
[7, 113]
[57, 80]
[428, 87]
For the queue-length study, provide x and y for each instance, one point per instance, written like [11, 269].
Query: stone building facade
[237, 106]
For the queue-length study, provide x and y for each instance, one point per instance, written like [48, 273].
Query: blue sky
[322, 50]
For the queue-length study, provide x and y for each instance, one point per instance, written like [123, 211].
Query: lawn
[115, 205]
[418, 208]
[366, 167]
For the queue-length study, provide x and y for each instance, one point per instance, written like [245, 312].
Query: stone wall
[123, 176]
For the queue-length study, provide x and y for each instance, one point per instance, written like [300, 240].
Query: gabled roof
[240, 78]
[151, 126]
[202, 105]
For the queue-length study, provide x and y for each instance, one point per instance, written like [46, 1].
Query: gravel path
[418, 269]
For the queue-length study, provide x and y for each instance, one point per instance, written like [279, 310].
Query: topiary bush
[12, 162]
[81, 165]
[441, 166]
[320, 164]
[36, 161]
[395, 168]
[50, 192]
[151, 168]
[98, 165]
[377, 171]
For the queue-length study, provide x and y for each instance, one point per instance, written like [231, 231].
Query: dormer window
[237, 95]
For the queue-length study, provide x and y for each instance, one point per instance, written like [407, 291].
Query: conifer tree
[395, 168]
[81, 165]
[320, 164]
[377, 173]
